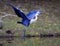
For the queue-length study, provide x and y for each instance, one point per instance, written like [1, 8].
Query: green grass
[48, 22]
[42, 25]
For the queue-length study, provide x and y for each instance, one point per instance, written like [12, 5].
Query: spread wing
[32, 14]
[18, 12]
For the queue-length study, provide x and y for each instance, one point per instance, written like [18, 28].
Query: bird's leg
[26, 29]
[24, 33]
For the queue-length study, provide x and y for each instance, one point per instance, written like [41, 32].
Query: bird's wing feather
[32, 14]
[18, 12]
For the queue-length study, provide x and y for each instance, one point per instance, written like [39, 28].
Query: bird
[26, 19]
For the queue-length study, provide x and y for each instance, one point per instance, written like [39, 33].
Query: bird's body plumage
[26, 20]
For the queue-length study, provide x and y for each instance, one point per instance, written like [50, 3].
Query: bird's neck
[33, 20]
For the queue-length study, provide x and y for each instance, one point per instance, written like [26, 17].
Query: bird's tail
[19, 22]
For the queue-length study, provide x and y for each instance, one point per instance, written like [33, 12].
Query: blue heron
[26, 19]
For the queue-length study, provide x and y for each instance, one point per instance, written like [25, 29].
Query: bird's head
[36, 12]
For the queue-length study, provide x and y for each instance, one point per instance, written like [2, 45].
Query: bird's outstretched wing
[18, 12]
[32, 14]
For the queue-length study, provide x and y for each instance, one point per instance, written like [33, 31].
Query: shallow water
[30, 41]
